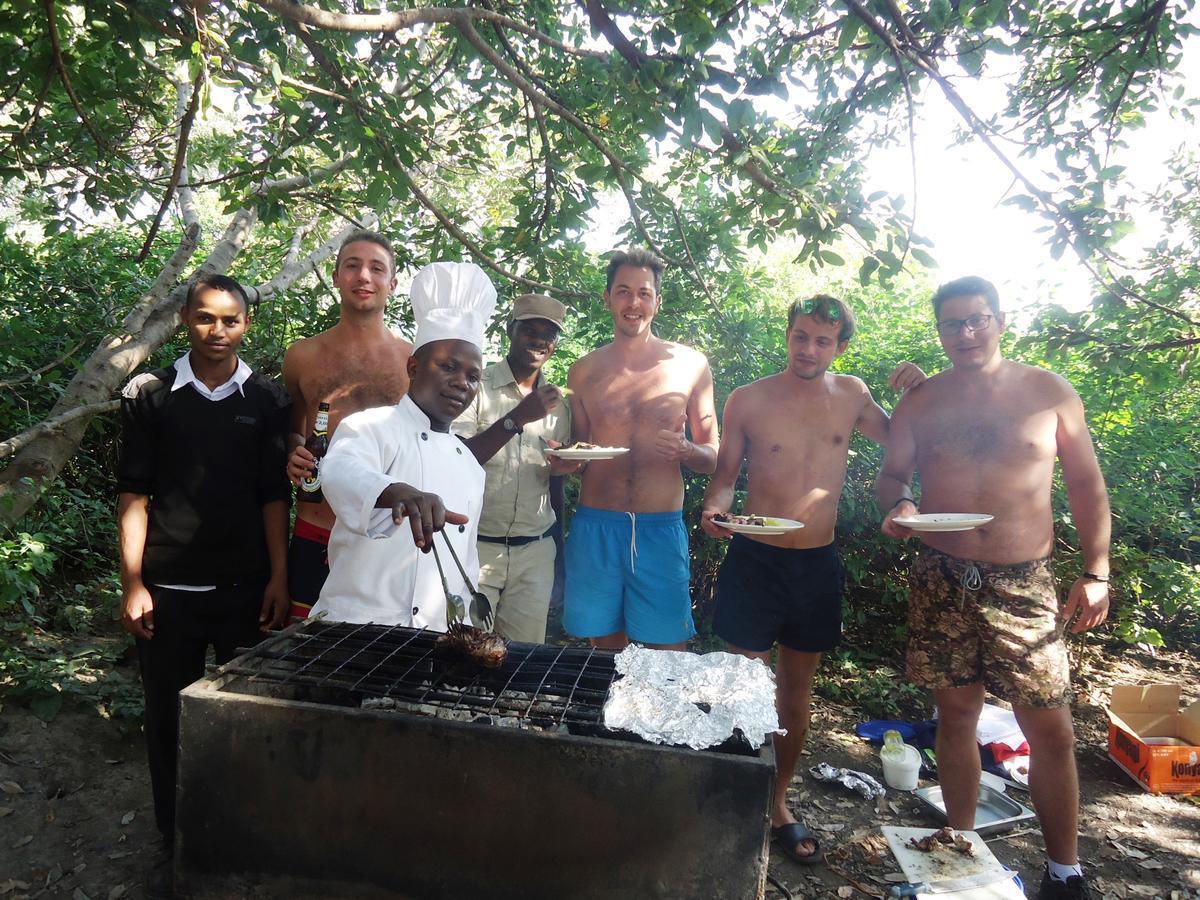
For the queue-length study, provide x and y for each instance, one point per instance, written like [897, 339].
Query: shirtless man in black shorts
[793, 429]
[357, 364]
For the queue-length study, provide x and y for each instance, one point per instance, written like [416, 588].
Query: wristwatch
[510, 425]
[1092, 576]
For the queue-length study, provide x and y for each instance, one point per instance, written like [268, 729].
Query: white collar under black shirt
[185, 376]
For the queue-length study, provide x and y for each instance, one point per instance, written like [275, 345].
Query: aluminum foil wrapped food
[692, 700]
[859, 782]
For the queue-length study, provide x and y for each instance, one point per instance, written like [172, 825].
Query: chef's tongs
[456, 610]
[481, 606]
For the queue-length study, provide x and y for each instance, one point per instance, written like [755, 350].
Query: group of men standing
[984, 436]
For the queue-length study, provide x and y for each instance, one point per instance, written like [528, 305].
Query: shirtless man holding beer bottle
[357, 364]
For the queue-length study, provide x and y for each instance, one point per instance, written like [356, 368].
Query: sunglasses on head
[830, 311]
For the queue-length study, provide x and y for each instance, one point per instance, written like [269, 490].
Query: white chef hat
[452, 301]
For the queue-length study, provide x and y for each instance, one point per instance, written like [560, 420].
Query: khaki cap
[539, 306]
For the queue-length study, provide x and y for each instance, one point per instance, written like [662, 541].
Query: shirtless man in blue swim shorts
[627, 552]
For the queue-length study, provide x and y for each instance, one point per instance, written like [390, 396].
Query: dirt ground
[76, 818]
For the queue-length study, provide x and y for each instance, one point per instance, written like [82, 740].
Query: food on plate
[482, 647]
[579, 445]
[943, 838]
[729, 519]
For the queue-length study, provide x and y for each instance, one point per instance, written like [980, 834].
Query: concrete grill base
[286, 797]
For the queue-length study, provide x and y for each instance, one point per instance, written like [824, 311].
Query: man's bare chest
[350, 385]
[650, 402]
[798, 434]
[988, 434]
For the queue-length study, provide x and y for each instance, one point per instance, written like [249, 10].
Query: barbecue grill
[365, 760]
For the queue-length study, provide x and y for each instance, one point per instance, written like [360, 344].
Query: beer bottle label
[312, 483]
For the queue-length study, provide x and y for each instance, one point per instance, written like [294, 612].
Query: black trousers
[185, 624]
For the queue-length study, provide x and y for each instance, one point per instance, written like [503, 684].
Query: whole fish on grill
[482, 647]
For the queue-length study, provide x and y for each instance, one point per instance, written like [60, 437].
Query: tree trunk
[147, 327]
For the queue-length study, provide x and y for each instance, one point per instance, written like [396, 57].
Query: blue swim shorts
[628, 572]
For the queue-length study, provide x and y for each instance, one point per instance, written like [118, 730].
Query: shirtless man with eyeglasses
[983, 606]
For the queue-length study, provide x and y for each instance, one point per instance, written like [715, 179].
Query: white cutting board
[941, 865]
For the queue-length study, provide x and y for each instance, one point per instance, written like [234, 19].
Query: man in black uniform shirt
[202, 514]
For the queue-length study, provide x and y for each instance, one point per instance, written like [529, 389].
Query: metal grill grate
[537, 684]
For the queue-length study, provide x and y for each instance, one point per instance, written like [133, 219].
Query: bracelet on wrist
[1092, 576]
[903, 500]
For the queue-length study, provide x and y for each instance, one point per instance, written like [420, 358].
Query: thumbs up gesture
[672, 443]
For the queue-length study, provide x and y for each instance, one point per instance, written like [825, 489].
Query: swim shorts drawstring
[970, 580]
[632, 541]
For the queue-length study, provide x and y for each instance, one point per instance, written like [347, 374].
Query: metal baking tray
[995, 812]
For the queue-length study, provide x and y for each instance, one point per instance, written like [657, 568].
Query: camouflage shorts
[972, 623]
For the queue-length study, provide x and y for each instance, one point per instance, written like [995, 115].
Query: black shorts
[769, 594]
[308, 566]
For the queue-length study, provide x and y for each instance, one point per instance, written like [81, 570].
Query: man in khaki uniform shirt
[515, 417]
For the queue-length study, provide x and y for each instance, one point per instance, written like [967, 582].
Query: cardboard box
[1153, 740]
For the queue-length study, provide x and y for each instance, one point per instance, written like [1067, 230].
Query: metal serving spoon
[481, 605]
[456, 610]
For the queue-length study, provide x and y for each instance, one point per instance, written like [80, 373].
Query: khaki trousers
[518, 581]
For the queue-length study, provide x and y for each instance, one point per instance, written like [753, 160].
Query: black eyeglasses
[951, 327]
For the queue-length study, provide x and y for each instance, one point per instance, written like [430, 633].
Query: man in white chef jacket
[393, 463]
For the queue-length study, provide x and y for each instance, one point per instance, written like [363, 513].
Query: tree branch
[54, 423]
[980, 130]
[294, 269]
[411, 18]
[169, 276]
[56, 49]
[186, 206]
[4, 385]
[41, 100]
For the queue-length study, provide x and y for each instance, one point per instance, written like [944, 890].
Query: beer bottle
[317, 444]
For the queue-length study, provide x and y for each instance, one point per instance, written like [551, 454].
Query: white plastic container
[902, 773]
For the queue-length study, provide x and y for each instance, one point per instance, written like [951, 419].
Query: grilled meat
[943, 837]
[730, 519]
[481, 647]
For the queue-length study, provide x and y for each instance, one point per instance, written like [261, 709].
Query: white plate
[774, 525]
[943, 521]
[596, 453]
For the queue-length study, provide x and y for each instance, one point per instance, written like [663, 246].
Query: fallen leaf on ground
[1150, 864]
[54, 874]
[5, 811]
[119, 854]
[1142, 890]
[11, 787]
[845, 891]
[896, 877]
[78, 894]
[21, 842]
[114, 762]
[1131, 852]
[7, 887]
[117, 893]
[128, 817]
